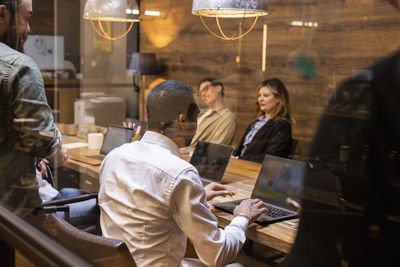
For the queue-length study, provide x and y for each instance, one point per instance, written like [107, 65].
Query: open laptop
[278, 180]
[116, 136]
[211, 160]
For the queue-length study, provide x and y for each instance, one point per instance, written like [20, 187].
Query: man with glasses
[216, 124]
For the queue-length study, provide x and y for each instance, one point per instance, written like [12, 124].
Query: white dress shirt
[153, 200]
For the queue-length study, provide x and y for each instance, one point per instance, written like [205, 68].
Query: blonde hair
[282, 110]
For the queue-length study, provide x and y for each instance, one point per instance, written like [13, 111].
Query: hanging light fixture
[99, 11]
[229, 9]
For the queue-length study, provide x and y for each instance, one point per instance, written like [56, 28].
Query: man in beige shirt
[216, 124]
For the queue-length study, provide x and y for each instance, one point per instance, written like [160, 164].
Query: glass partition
[322, 52]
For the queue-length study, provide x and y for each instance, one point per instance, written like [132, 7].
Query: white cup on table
[95, 140]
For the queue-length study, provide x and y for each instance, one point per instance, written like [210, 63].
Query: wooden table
[240, 177]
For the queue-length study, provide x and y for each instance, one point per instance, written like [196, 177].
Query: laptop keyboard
[273, 212]
[276, 212]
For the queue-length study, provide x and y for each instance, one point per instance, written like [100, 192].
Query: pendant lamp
[229, 9]
[99, 11]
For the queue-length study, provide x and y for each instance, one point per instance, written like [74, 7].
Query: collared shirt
[153, 200]
[215, 126]
[203, 115]
[261, 121]
[27, 129]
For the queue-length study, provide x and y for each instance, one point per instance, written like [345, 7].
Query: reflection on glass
[314, 48]
[278, 180]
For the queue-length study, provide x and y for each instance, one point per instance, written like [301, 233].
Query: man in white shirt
[154, 200]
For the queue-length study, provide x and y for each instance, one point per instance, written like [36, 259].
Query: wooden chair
[99, 250]
[88, 222]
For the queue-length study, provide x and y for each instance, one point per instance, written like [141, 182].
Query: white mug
[95, 140]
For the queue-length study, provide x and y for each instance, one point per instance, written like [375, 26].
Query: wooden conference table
[240, 177]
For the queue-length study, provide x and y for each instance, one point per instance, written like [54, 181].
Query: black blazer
[274, 138]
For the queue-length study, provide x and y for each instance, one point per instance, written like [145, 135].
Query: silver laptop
[278, 180]
[211, 161]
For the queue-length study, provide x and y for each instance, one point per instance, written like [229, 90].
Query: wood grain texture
[351, 35]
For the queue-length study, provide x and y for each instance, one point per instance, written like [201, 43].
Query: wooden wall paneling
[351, 35]
[68, 26]
[42, 21]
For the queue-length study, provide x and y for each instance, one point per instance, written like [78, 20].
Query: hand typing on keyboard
[215, 190]
[251, 209]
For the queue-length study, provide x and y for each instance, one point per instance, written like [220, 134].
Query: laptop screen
[279, 178]
[211, 160]
[116, 136]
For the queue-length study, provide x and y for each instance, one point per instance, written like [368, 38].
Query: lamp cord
[224, 36]
[100, 30]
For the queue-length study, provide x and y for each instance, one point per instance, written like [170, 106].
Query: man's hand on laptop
[215, 190]
[251, 209]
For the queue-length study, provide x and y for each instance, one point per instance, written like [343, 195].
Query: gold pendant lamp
[100, 11]
[229, 9]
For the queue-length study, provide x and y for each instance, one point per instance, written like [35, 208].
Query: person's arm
[33, 119]
[41, 166]
[214, 246]
[279, 144]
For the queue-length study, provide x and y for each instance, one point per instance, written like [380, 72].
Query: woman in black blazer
[270, 133]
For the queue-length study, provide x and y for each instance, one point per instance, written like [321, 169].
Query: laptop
[211, 161]
[116, 136]
[279, 181]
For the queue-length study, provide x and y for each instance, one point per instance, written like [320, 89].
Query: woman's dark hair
[278, 89]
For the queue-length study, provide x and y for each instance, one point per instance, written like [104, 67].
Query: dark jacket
[27, 129]
[274, 138]
[359, 189]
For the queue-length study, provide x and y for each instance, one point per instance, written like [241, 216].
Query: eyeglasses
[204, 89]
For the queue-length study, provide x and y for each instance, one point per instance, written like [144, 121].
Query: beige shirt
[219, 127]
